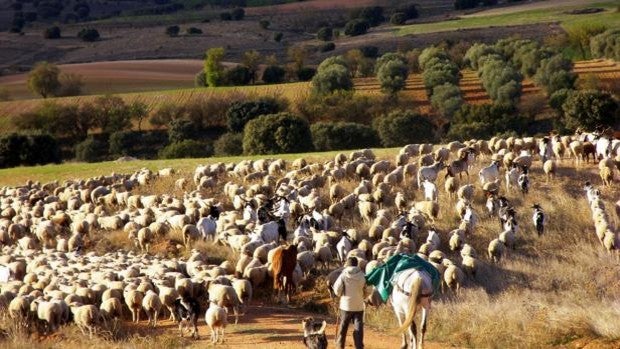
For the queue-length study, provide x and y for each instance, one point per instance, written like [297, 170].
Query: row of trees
[441, 76]
[606, 45]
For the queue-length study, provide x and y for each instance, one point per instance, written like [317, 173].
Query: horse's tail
[414, 295]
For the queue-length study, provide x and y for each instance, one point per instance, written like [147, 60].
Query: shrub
[193, 31]
[555, 73]
[398, 18]
[399, 128]
[410, 11]
[273, 74]
[356, 27]
[188, 148]
[122, 142]
[238, 76]
[277, 134]
[370, 51]
[90, 150]
[332, 78]
[485, 121]
[330, 46]
[373, 15]
[465, 4]
[264, 24]
[446, 99]
[306, 73]
[557, 99]
[240, 113]
[606, 45]
[52, 33]
[590, 109]
[237, 14]
[88, 34]
[325, 34]
[173, 30]
[182, 129]
[214, 71]
[342, 135]
[277, 37]
[226, 16]
[200, 79]
[229, 144]
[70, 85]
[111, 114]
[32, 149]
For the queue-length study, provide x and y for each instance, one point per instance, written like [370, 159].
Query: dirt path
[267, 326]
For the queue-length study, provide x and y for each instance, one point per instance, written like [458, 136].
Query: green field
[610, 18]
[74, 170]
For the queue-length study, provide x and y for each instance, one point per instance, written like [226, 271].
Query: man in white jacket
[351, 287]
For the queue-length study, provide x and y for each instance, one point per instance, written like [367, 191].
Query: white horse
[413, 290]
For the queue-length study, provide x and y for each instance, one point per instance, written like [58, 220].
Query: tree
[252, 59]
[193, 31]
[306, 74]
[173, 30]
[590, 109]
[273, 74]
[555, 73]
[213, 68]
[277, 37]
[225, 16]
[465, 4]
[43, 79]
[182, 129]
[90, 150]
[356, 27]
[229, 144]
[52, 33]
[88, 34]
[111, 114]
[398, 18]
[325, 34]
[404, 127]
[392, 75]
[484, 121]
[240, 113]
[373, 15]
[333, 78]
[238, 76]
[579, 36]
[298, 55]
[446, 99]
[277, 134]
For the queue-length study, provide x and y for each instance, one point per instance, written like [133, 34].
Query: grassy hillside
[520, 15]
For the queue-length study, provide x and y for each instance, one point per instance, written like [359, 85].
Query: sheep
[453, 277]
[111, 308]
[243, 288]
[429, 208]
[550, 169]
[457, 238]
[429, 173]
[466, 192]
[306, 261]
[470, 266]
[496, 250]
[190, 233]
[607, 175]
[50, 313]
[216, 318]
[144, 238]
[151, 305]
[225, 296]
[451, 186]
[133, 300]
[489, 173]
[430, 191]
[86, 317]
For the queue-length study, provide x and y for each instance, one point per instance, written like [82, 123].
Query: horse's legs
[412, 334]
[403, 344]
[425, 311]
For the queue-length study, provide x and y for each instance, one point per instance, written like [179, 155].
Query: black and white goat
[539, 219]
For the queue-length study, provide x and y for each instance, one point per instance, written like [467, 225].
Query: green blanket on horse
[381, 277]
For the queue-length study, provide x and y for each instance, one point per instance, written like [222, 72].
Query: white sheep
[86, 317]
[216, 318]
[244, 291]
[225, 296]
[496, 250]
[151, 305]
[133, 299]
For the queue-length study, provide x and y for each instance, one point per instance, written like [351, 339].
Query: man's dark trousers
[357, 317]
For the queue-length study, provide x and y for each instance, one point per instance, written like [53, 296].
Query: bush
[356, 27]
[88, 35]
[392, 75]
[214, 71]
[404, 127]
[33, 149]
[410, 11]
[398, 18]
[193, 31]
[238, 76]
[306, 73]
[446, 99]
[122, 142]
[370, 51]
[70, 85]
[606, 45]
[229, 144]
[590, 109]
[342, 135]
[264, 24]
[240, 113]
[465, 4]
[173, 30]
[90, 150]
[330, 46]
[237, 14]
[186, 149]
[325, 34]
[277, 134]
[226, 16]
[555, 73]
[485, 121]
[373, 15]
[273, 74]
[277, 37]
[200, 79]
[557, 99]
[43, 79]
[52, 33]
[182, 129]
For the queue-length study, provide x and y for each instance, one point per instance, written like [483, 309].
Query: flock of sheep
[352, 205]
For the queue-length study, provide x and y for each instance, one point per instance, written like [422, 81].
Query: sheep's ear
[323, 326]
